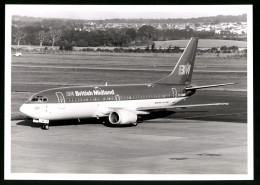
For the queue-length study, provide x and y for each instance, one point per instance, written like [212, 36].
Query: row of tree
[145, 35]
[153, 49]
[175, 49]
[36, 37]
[224, 49]
[66, 39]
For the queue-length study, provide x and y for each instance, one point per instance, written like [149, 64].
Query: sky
[97, 12]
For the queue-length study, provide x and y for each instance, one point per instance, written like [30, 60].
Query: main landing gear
[45, 127]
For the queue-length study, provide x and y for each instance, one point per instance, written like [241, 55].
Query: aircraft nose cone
[23, 109]
[26, 109]
[32, 111]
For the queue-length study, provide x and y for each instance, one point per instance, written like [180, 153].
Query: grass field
[203, 43]
[34, 72]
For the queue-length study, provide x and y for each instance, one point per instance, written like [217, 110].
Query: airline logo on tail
[184, 69]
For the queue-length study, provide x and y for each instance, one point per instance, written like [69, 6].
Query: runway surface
[160, 146]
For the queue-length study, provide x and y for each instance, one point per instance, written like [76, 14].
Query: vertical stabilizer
[182, 72]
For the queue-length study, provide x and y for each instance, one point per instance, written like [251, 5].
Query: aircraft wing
[207, 86]
[179, 106]
[111, 109]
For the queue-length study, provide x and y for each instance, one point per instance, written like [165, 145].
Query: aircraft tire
[45, 127]
[135, 124]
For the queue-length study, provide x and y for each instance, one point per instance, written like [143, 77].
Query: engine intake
[122, 117]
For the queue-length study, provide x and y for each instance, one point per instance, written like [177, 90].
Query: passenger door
[117, 97]
[175, 93]
[61, 99]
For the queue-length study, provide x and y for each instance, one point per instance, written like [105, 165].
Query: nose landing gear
[45, 122]
[45, 127]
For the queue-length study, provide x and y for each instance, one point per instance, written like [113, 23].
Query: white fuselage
[60, 111]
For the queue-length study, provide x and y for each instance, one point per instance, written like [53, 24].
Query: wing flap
[180, 106]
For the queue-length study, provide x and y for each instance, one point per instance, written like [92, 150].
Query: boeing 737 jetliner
[121, 104]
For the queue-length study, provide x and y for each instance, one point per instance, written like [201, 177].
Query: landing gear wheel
[135, 124]
[45, 127]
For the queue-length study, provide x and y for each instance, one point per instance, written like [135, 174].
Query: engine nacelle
[123, 117]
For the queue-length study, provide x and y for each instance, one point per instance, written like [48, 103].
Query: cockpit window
[39, 99]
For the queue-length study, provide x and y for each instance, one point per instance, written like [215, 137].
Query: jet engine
[123, 117]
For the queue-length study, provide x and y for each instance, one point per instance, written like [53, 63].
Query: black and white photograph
[128, 92]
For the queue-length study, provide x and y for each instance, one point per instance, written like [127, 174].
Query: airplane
[120, 104]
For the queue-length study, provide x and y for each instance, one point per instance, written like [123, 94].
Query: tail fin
[182, 72]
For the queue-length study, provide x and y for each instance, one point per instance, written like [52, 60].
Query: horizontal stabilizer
[181, 106]
[207, 86]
